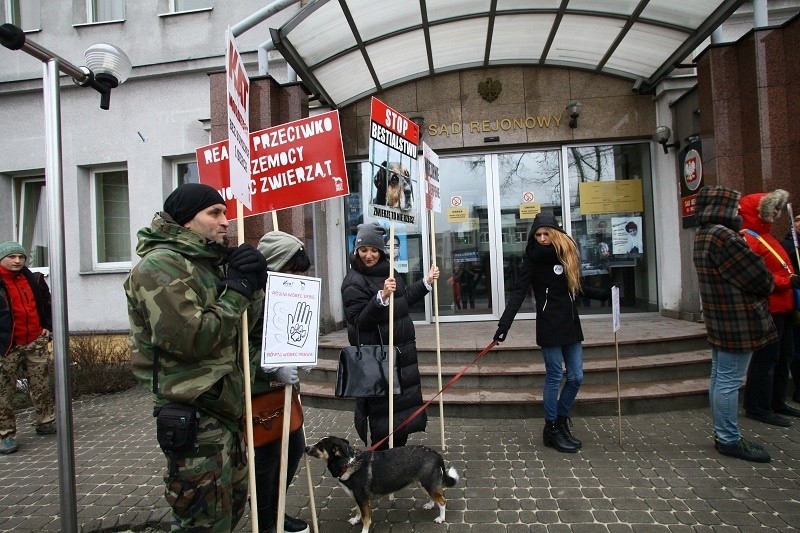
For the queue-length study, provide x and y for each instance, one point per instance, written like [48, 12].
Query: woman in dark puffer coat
[365, 294]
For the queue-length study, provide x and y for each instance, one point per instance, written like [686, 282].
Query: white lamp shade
[104, 58]
[662, 133]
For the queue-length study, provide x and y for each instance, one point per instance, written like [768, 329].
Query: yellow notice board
[602, 197]
[529, 210]
[457, 215]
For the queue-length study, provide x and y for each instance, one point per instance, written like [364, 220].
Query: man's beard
[225, 241]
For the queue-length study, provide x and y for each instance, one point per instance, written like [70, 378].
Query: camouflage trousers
[36, 359]
[207, 488]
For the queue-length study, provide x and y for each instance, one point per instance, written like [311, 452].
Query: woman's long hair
[567, 252]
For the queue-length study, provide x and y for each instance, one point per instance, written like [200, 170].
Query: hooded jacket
[758, 213]
[557, 320]
[185, 323]
[41, 294]
[733, 280]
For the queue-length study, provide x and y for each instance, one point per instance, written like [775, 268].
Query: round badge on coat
[558, 269]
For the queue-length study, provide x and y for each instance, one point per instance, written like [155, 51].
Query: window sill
[187, 12]
[120, 270]
[98, 23]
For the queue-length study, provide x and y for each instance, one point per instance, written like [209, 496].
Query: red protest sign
[394, 187]
[387, 118]
[292, 164]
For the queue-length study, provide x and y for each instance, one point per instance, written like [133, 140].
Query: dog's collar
[345, 468]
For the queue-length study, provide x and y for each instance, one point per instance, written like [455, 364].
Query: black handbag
[363, 371]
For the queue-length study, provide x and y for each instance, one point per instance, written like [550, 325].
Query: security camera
[637, 86]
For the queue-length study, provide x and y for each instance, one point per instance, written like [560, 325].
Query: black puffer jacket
[359, 295]
[557, 321]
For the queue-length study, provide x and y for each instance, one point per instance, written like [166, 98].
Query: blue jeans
[727, 374]
[556, 358]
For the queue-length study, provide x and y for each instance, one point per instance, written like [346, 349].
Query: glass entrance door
[465, 241]
[527, 183]
[600, 194]
[488, 205]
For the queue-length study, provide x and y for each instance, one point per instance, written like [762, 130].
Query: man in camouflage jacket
[185, 307]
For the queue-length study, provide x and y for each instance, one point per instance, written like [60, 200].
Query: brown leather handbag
[268, 416]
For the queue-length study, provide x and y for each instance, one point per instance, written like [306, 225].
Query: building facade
[508, 148]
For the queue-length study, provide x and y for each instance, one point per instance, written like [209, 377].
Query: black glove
[245, 258]
[243, 273]
[500, 334]
[794, 281]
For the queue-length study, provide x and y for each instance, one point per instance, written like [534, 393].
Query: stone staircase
[664, 364]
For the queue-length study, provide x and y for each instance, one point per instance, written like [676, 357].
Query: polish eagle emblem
[490, 89]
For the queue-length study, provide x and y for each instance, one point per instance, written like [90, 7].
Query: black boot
[564, 422]
[554, 438]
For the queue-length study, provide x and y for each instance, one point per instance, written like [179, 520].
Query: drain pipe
[264, 48]
[263, 57]
[760, 14]
[260, 16]
[263, 61]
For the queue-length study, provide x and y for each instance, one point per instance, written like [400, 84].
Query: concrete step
[664, 364]
[488, 373]
[593, 399]
[455, 350]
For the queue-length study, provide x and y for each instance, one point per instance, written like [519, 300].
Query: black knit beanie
[189, 199]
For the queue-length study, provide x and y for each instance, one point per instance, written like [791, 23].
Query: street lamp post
[107, 67]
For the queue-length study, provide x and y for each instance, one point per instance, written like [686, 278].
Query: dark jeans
[268, 469]
[768, 373]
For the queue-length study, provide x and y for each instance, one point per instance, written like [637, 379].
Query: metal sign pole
[58, 290]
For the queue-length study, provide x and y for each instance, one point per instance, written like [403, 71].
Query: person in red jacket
[768, 373]
[25, 326]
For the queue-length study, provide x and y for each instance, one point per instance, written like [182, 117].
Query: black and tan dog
[366, 474]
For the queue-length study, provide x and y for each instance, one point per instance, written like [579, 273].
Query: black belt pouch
[176, 427]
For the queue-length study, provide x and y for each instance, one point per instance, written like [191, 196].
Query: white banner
[291, 320]
[433, 200]
[238, 103]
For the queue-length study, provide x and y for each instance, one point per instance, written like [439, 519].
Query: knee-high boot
[554, 438]
[564, 422]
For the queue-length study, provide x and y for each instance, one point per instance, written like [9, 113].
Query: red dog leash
[426, 404]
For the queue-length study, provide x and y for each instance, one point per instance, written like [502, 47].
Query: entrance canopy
[345, 50]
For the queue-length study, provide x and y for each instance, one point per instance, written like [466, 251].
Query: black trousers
[768, 373]
[268, 469]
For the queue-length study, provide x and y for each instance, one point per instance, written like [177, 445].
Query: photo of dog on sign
[393, 186]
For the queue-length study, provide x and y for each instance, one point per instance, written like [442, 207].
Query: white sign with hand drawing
[291, 320]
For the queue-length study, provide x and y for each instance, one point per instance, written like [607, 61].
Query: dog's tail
[449, 477]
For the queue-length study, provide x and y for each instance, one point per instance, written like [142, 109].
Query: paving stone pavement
[665, 477]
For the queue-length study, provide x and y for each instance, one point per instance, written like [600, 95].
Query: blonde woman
[552, 268]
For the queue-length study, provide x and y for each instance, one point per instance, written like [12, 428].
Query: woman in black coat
[365, 294]
[552, 267]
